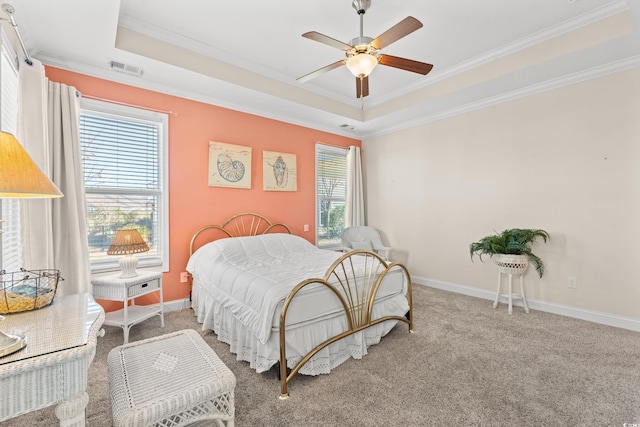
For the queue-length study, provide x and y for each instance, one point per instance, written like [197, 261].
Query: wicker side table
[126, 290]
[171, 380]
[53, 367]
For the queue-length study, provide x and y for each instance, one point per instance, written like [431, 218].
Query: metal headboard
[242, 224]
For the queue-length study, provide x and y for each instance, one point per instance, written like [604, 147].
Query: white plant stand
[114, 288]
[511, 265]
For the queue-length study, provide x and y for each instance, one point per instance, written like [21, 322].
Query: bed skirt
[300, 338]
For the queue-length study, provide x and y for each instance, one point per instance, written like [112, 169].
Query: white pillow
[362, 244]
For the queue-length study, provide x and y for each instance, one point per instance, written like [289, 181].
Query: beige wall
[567, 161]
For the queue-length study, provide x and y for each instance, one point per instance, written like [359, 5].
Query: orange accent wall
[192, 203]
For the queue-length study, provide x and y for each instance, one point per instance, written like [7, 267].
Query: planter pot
[511, 264]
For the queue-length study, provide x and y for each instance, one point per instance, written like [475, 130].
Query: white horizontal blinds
[119, 153]
[331, 193]
[11, 247]
[8, 93]
[121, 159]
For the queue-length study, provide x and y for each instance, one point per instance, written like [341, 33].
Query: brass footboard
[354, 279]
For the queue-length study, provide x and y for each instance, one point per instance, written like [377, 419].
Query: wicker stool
[169, 381]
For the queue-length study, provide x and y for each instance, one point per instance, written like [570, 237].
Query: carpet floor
[466, 365]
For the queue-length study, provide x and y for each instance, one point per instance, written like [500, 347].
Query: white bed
[241, 284]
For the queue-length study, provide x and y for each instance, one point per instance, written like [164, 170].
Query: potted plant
[512, 249]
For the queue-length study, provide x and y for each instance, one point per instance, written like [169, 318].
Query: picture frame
[279, 171]
[229, 165]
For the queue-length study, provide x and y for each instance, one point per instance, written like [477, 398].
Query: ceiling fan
[363, 53]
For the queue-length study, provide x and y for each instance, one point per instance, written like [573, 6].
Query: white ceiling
[246, 55]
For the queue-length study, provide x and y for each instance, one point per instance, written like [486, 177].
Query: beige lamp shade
[20, 177]
[127, 241]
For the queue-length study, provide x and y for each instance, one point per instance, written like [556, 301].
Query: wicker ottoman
[171, 380]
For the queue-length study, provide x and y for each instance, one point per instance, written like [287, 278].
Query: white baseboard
[175, 305]
[563, 310]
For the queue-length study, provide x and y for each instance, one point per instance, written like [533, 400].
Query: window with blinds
[11, 249]
[124, 161]
[331, 194]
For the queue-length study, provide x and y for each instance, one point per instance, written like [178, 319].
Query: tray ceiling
[246, 55]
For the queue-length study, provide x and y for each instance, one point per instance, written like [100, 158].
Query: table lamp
[127, 242]
[20, 178]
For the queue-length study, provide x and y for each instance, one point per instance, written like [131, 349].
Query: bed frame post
[284, 394]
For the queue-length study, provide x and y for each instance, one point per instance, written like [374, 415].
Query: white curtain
[37, 228]
[354, 210]
[55, 231]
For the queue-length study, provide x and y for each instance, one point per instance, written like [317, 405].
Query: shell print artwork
[280, 172]
[229, 165]
[229, 169]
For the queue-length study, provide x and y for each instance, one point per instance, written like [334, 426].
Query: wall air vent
[126, 68]
[347, 127]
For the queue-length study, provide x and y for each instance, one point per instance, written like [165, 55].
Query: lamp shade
[362, 64]
[127, 241]
[20, 177]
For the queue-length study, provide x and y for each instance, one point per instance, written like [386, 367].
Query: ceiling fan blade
[314, 35]
[362, 87]
[405, 64]
[320, 71]
[405, 27]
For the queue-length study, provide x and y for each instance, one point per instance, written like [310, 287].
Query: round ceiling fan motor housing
[360, 42]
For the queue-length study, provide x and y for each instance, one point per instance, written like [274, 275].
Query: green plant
[515, 241]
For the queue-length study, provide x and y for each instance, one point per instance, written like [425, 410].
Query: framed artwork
[229, 165]
[279, 171]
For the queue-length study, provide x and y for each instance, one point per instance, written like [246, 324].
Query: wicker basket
[511, 264]
[26, 290]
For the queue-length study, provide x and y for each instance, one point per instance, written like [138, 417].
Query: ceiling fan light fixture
[362, 64]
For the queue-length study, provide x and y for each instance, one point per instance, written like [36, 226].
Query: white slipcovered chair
[365, 237]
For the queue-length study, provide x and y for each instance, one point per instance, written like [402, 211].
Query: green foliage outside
[331, 221]
[102, 225]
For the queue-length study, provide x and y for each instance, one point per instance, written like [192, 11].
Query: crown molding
[552, 84]
[605, 11]
[556, 83]
[121, 78]
[196, 46]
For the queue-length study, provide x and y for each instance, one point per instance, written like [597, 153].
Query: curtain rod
[337, 146]
[9, 10]
[111, 101]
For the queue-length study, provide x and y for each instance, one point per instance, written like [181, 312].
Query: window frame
[322, 148]
[161, 259]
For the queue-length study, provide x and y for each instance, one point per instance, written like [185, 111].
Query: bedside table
[114, 288]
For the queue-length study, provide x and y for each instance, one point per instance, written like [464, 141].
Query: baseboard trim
[563, 310]
[176, 305]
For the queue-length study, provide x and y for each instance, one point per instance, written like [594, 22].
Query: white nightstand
[114, 288]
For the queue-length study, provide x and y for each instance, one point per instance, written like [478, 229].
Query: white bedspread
[252, 275]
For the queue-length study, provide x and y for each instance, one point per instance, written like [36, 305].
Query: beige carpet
[467, 364]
